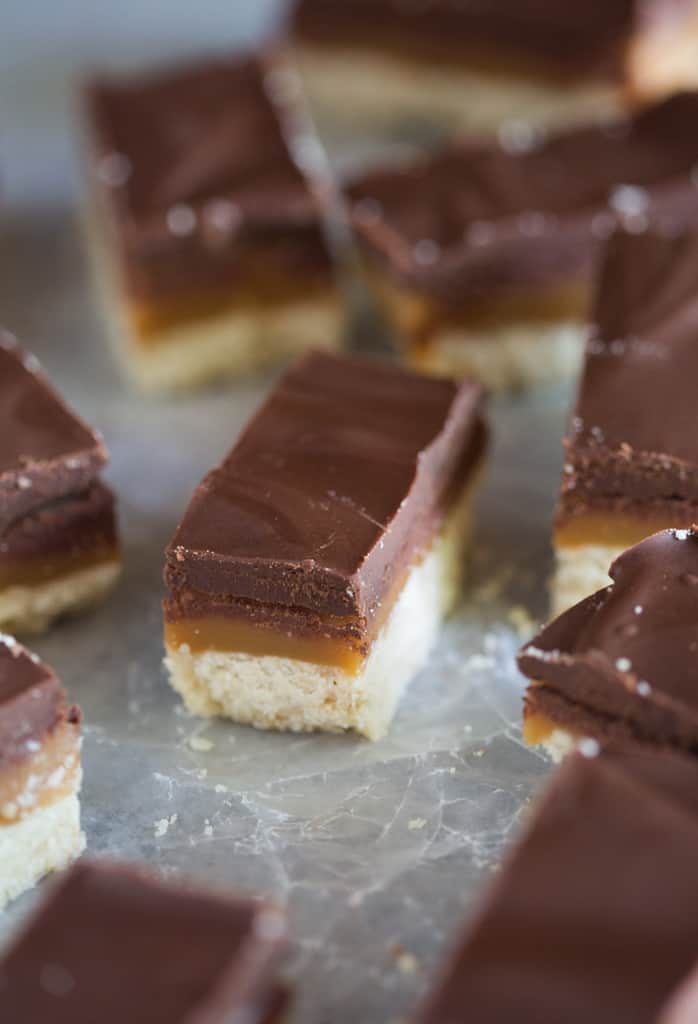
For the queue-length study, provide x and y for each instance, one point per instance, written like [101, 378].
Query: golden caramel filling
[35, 571]
[149, 320]
[227, 635]
[622, 531]
[43, 777]
[421, 318]
[537, 727]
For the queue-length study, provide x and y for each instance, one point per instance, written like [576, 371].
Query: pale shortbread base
[665, 60]
[580, 571]
[299, 696]
[46, 840]
[511, 357]
[230, 344]
[31, 609]
[374, 89]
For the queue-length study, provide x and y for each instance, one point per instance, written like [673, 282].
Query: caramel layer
[43, 777]
[35, 571]
[149, 320]
[421, 318]
[622, 531]
[221, 634]
[539, 727]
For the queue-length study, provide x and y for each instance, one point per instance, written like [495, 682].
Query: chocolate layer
[475, 221]
[112, 944]
[633, 441]
[548, 38]
[198, 183]
[69, 527]
[46, 451]
[629, 652]
[32, 703]
[594, 917]
[335, 487]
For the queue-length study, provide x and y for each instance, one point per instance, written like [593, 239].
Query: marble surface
[379, 850]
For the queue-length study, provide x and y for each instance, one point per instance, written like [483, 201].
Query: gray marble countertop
[379, 850]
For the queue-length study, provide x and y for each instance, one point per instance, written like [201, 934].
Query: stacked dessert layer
[208, 239]
[483, 256]
[58, 542]
[309, 576]
[481, 64]
[40, 773]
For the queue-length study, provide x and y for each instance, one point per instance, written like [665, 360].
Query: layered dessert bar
[620, 665]
[594, 914]
[482, 256]
[309, 576]
[58, 540]
[631, 454]
[112, 943]
[40, 773]
[481, 64]
[207, 237]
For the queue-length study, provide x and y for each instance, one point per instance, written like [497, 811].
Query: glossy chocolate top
[594, 916]
[631, 650]
[481, 219]
[46, 452]
[113, 944]
[336, 484]
[633, 430]
[194, 167]
[569, 39]
[32, 703]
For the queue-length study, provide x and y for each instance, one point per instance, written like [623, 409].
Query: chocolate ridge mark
[630, 651]
[558, 937]
[564, 41]
[46, 451]
[104, 922]
[336, 484]
[32, 703]
[474, 220]
[191, 165]
[633, 434]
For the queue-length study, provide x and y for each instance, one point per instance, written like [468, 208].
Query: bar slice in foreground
[40, 772]
[112, 944]
[621, 664]
[208, 239]
[631, 454]
[483, 256]
[594, 915]
[309, 576]
[59, 550]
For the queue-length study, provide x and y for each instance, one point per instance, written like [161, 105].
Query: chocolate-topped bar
[58, 540]
[487, 62]
[594, 915]
[208, 236]
[309, 575]
[39, 772]
[631, 454]
[482, 255]
[621, 664]
[112, 943]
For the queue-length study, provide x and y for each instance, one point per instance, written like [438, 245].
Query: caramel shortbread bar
[621, 664]
[39, 772]
[112, 943]
[482, 257]
[481, 64]
[631, 462]
[207, 237]
[594, 915]
[58, 542]
[310, 574]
